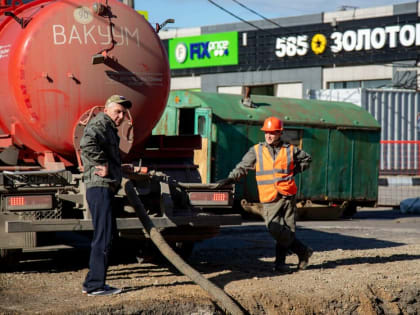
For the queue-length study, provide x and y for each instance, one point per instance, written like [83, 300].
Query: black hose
[220, 296]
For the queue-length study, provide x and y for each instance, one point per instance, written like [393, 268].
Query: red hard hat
[272, 124]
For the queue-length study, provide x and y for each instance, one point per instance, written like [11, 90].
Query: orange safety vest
[274, 177]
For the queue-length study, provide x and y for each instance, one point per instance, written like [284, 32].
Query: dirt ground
[367, 265]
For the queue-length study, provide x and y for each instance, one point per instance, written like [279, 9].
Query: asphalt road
[370, 228]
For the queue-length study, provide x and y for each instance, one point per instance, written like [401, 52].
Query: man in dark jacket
[102, 175]
[276, 162]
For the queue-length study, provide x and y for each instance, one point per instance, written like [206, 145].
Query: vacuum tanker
[60, 59]
[59, 62]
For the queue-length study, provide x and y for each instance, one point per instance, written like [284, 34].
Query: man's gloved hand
[225, 181]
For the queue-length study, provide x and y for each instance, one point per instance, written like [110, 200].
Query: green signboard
[219, 49]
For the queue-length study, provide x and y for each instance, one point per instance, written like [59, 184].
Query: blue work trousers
[100, 201]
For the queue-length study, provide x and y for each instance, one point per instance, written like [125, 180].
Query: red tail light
[16, 201]
[29, 202]
[220, 196]
[209, 198]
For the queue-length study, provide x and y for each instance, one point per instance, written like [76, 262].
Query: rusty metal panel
[366, 162]
[233, 141]
[341, 168]
[168, 123]
[312, 183]
[344, 144]
[344, 165]
[292, 111]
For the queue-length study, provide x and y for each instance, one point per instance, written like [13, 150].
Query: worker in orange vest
[276, 162]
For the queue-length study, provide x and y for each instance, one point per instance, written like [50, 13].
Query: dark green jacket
[99, 146]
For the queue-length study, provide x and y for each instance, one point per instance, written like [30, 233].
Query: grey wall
[405, 8]
[311, 78]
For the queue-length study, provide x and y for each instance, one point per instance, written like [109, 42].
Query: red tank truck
[59, 62]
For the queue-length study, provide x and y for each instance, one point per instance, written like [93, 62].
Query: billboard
[355, 42]
[219, 49]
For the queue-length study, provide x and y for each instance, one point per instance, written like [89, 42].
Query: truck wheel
[184, 249]
[10, 257]
[350, 210]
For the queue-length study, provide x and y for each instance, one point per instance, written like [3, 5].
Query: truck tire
[10, 257]
[350, 210]
[183, 249]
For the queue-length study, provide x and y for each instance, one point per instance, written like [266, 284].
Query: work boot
[303, 252]
[280, 263]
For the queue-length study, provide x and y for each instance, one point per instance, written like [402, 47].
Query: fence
[399, 169]
[400, 157]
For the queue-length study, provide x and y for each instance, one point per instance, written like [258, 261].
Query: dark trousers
[280, 219]
[100, 205]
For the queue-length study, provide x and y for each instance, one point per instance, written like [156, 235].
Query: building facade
[369, 57]
[355, 48]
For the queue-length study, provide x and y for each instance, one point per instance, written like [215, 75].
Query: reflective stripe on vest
[274, 177]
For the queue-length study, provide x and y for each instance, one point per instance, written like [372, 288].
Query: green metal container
[342, 138]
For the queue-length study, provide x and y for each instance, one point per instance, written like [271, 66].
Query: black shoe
[303, 252]
[282, 269]
[280, 265]
[304, 258]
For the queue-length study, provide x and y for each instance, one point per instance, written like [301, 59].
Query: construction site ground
[366, 265]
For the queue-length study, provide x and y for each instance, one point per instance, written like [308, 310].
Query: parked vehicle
[342, 138]
[59, 62]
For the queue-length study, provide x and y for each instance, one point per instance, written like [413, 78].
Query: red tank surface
[59, 59]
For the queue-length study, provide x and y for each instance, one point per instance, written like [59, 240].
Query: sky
[195, 13]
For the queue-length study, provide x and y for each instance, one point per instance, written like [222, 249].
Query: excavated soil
[360, 266]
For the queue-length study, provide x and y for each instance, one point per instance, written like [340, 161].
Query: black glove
[225, 181]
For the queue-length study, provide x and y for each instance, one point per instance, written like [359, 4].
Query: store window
[371, 84]
[262, 90]
[253, 89]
